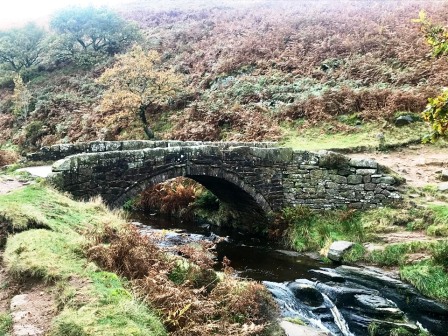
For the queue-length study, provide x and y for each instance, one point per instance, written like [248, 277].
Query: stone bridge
[254, 178]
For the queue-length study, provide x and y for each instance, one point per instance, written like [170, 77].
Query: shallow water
[252, 257]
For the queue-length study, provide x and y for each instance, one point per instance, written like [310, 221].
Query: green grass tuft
[428, 278]
[395, 254]
[39, 206]
[5, 324]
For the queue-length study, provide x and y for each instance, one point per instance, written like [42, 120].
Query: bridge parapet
[60, 151]
[247, 177]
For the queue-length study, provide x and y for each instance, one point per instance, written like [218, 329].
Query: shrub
[8, 157]
[174, 197]
[439, 253]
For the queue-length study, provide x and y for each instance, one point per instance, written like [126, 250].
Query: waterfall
[292, 307]
[337, 316]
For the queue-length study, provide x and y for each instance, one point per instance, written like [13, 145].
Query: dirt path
[10, 183]
[420, 165]
[33, 310]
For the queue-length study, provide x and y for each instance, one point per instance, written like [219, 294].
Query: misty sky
[19, 11]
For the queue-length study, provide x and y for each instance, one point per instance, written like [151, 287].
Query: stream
[342, 301]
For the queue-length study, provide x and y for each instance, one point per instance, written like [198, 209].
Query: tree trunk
[148, 131]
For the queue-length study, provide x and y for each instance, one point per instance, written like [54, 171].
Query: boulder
[338, 249]
[444, 175]
[403, 120]
[374, 305]
[306, 293]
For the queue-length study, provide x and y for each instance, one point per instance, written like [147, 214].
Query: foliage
[396, 254]
[40, 206]
[91, 302]
[436, 109]
[278, 75]
[91, 31]
[439, 253]
[136, 80]
[5, 324]
[430, 279]
[436, 113]
[173, 197]
[436, 35]
[8, 157]
[308, 230]
[190, 298]
[22, 48]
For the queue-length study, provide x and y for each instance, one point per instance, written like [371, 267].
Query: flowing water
[342, 301]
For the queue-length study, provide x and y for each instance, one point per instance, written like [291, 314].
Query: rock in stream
[349, 301]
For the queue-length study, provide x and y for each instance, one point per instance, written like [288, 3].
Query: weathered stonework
[57, 152]
[247, 177]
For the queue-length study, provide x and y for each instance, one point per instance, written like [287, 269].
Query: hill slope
[254, 71]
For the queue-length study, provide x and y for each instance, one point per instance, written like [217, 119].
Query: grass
[429, 278]
[310, 230]
[44, 254]
[320, 137]
[396, 254]
[439, 227]
[91, 301]
[39, 205]
[5, 324]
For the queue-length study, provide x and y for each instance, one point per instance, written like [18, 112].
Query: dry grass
[208, 307]
[8, 157]
[172, 197]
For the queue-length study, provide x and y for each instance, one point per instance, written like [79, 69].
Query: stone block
[365, 171]
[387, 180]
[317, 174]
[345, 172]
[363, 163]
[338, 178]
[369, 186]
[332, 185]
[354, 179]
[338, 249]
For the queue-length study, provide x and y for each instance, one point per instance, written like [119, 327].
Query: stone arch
[225, 185]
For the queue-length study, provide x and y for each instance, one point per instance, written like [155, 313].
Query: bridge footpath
[251, 177]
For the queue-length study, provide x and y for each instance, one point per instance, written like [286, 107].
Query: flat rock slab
[39, 171]
[338, 248]
[292, 329]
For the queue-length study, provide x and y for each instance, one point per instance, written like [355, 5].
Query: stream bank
[342, 301]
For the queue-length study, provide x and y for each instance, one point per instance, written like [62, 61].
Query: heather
[262, 71]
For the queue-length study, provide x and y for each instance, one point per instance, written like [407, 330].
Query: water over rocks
[345, 301]
[352, 300]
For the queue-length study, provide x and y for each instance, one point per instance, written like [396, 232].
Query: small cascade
[338, 318]
[291, 307]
